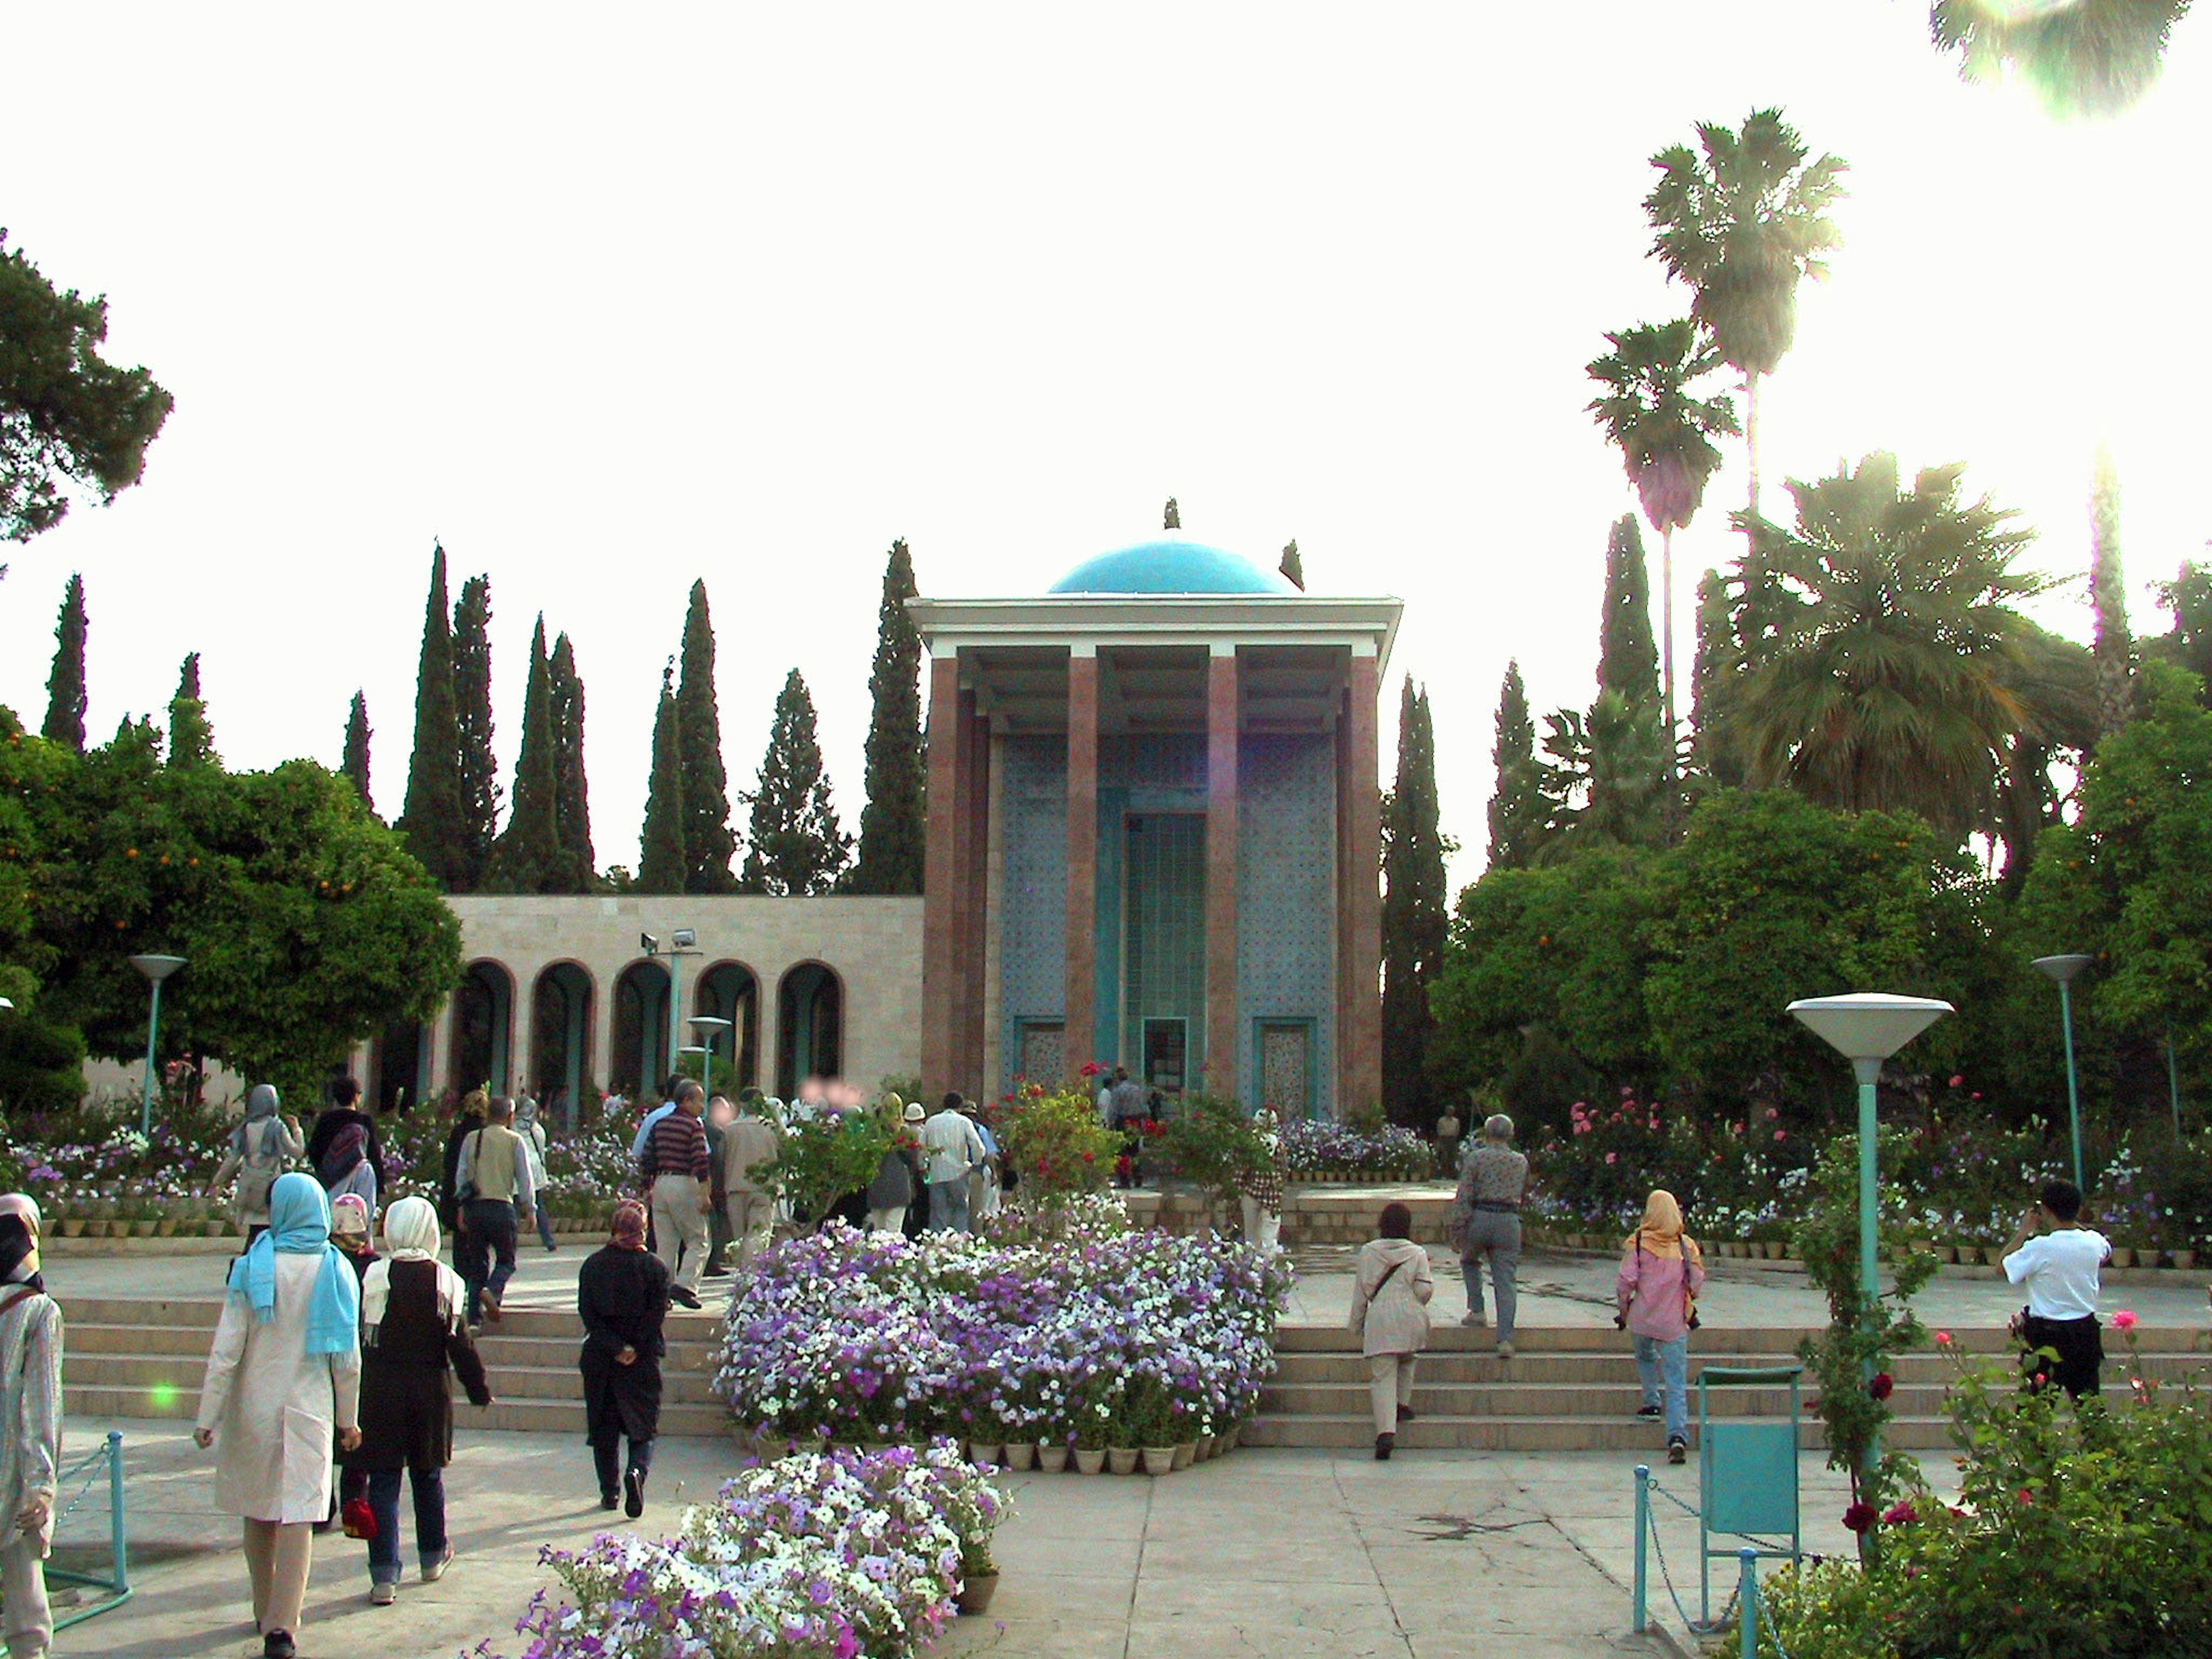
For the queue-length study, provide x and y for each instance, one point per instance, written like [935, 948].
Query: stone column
[441, 1049]
[1361, 1020]
[976, 886]
[943, 873]
[1079, 1001]
[1222, 1074]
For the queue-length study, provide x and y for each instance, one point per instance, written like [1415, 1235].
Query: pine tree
[1710, 676]
[355, 763]
[709, 843]
[1516, 801]
[797, 847]
[2115, 649]
[660, 867]
[527, 858]
[191, 740]
[431, 819]
[571, 793]
[1294, 571]
[893, 822]
[1414, 912]
[477, 771]
[65, 694]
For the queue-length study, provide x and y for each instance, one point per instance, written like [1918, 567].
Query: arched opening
[810, 1035]
[484, 1029]
[397, 1078]
[639, 1061]
[560, 1069]
[731, 991]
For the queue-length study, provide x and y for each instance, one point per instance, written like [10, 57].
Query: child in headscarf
[414, 1342]
[622, 1294]
[1661, 1272]
[30, 1427]
[349, 1235]
[284, 1381]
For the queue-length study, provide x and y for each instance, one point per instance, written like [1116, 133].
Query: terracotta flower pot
[1160, 1459]
[2122, 1256]
[1122, 1460]
[1186, 1454]
[988, 1454]
[976, 1593]
[1053, 1460]
[1020, 1454]
[2183, 1258]
[1089, 1459]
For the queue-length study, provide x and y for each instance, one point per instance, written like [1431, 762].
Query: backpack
[257, 1171]
[348, 1147]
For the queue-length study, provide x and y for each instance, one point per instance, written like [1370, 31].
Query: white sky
[609, 301]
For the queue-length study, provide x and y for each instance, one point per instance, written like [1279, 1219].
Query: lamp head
[157, 968]
[1869, 1024]
[2064, 969]
[686, 937]
[708, 1024]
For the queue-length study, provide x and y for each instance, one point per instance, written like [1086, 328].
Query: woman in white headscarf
[414, 1340]
[30, 1428]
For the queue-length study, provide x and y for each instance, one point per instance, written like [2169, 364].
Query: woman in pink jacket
[1661, 1272]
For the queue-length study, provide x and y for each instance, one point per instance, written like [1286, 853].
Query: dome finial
[1174, 516]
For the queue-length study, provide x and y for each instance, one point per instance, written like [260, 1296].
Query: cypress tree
[1414, 911]
[1627, 655]
[1172, 518]
[191, 741]
[2114, 649]
[1518, 809]
[709, 843]
[354, 763]
[1709, 678]
[65, 694]
[1293, 568]
[660, 868]
[797, 847]
[572, 810]
[526, 857]
[477, 772]
[893, 822]
[431, 819]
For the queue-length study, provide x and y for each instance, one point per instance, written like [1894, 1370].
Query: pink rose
[1942, 1338]
[2124, 1321]
[1610, 1157]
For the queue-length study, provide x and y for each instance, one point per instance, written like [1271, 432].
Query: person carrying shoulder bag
[262, 1148]
[1390, 1316]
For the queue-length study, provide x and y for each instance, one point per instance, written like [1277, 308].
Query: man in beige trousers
[748, 1141]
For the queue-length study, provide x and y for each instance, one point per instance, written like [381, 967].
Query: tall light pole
[2065, 970]
[156, 968]
[1868, 1027]
[708, 1027]
[682, 942]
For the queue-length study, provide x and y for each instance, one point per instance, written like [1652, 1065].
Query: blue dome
[1171, 567]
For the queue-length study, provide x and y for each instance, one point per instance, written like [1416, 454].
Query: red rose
[1860, 1517]
[1899, 1513]
[1880, 1384]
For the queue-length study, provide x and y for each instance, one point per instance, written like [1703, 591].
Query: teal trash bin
[1746, 1472]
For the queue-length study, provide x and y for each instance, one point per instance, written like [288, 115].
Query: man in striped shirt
[680, 1176]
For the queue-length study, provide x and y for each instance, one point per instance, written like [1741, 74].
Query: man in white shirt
[954, 1149]
[2059, 1261]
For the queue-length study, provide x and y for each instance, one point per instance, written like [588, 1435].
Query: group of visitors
[943, 1173]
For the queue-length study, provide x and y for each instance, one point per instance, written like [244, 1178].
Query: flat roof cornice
[1363, 625]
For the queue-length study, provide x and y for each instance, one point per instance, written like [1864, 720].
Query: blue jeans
[948, 1204]
[429, 1520]
[1667, 1362]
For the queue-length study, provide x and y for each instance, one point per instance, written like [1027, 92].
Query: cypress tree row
[796, 845]
[709, 843]
[1414, 911]
[431, 819]
[660, 867]
[2114, 649]
[572, 813]
[1711, 749]
[1293, 568]
[476, 770]
[354, 763]
[191, 740]
[527, 858]
[1518, 809]
[893, 822]
[65, 694]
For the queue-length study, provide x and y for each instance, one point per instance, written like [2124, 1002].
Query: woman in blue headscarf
[284, 1381]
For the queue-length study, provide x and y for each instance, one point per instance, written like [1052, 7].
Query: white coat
[1390, 1308]
[30, 1410]
[275, 1408]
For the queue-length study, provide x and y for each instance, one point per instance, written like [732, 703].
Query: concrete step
[522, 1415]
[1553, 1400]
[1595, 1370]
[1640, 1436]
[508, 1381]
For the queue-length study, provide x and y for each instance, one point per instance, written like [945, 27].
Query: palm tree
[1743, 228]
[1664, 435]
[1884, 658]
[2087, 57]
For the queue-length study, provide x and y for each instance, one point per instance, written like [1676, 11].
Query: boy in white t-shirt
[2059, 1261]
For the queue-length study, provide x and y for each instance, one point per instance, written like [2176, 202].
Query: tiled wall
[1033, 905]
[1285, 851]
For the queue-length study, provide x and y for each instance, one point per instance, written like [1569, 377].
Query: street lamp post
[2065, 970]
[156, 968]
[1868, 1027]
[708, 1027]
[682, 942]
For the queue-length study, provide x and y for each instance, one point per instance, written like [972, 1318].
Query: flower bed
[1099, 1340]
[1318, 1150]
[814, 1557]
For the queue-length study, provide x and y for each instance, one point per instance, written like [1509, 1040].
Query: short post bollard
[117, 1539]
[1747, 1602]
[1642, 1534]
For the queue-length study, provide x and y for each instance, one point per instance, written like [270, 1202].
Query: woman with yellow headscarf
[1662, 1270]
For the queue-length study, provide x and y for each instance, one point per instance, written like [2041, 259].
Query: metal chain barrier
[103, 1465]
[1696, 1626]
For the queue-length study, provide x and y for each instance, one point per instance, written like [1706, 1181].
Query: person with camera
[1662, 1271]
